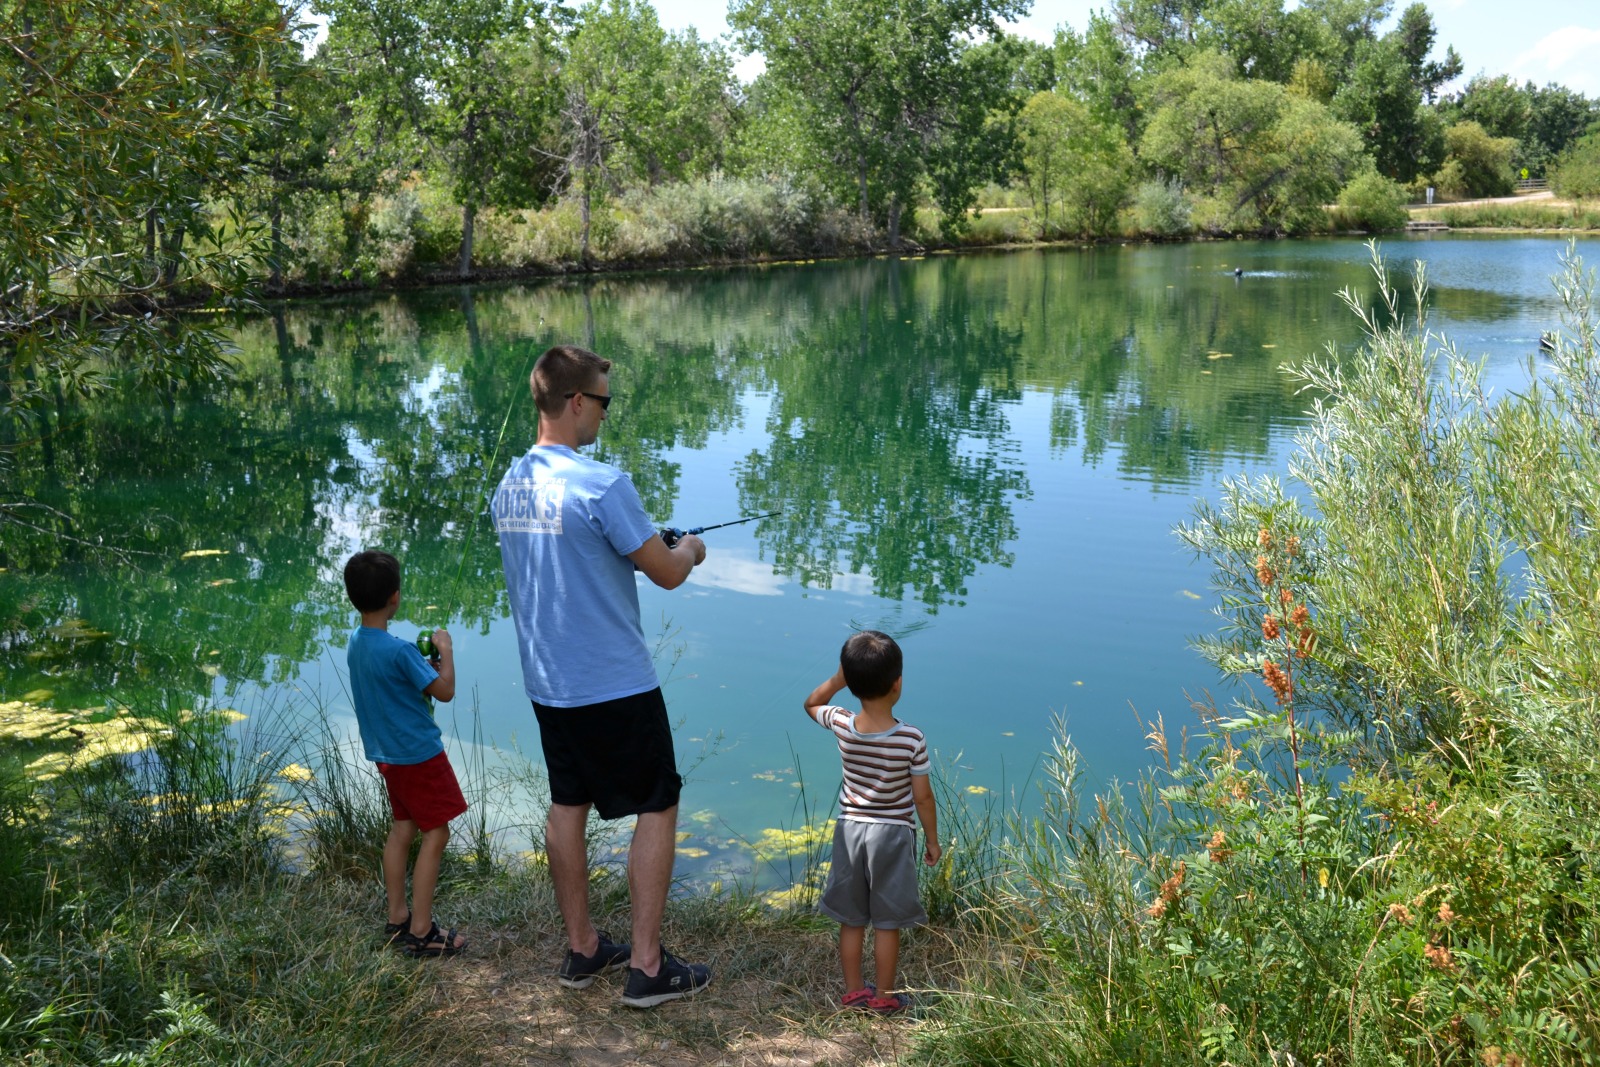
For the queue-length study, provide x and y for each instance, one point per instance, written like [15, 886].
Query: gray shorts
[873, 880]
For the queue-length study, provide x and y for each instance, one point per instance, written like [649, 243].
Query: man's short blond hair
[562, 371]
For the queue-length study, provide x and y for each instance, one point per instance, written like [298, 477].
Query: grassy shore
[176, 892]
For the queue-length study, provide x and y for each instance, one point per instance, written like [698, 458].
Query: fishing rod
[425, 635]
[672, 536]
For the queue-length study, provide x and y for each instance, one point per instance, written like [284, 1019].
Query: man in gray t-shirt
[572, 534]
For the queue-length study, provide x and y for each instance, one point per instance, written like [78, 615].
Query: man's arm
[922, 797]
[823, 694]
[668, 567]
[443, 687]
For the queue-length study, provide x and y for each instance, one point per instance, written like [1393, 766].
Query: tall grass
[1532, 216]
[1385, 850]
[185, 902]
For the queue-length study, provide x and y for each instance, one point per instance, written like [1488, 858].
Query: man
[572, 534]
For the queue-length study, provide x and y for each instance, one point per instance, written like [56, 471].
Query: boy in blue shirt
[388, 682]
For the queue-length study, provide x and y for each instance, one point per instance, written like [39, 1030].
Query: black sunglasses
[603, 401]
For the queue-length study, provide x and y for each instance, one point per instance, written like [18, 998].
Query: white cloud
[741, 573]
[724, 570]
[1570, 56]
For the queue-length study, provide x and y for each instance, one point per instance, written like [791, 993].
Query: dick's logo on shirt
[525, 506]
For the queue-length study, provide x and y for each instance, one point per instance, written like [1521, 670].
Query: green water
[985, 454]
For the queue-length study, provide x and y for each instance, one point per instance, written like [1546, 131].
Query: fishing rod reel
[672, 536]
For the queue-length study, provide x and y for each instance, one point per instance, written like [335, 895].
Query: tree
[1557, 118]
[885, 94]
[1415, 34]
[1380, 99]
[1098, 69]
[121, 120]
[613, 99]
[1499, 105]
[1073, 161]
[467, 78]
[289, 154]
[490, 100]
[1372, 202]
[1264, 158]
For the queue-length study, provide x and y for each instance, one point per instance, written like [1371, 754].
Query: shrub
[1476, 164]
[1371, 202]
[434, 222]
[1162, 208]
[1577, 173]
[391, 247]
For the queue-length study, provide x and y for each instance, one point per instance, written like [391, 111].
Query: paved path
[1543, 196]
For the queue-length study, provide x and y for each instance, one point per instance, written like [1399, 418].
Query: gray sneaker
[579, 972]
[675, 979]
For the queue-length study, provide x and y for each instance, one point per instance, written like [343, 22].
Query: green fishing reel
[425, 645]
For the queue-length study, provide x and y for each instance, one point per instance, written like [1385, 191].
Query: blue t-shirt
[387, 677]
[567, 525]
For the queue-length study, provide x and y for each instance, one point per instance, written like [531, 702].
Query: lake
[984, 455]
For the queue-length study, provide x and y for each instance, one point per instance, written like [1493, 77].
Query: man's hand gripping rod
[672, 536]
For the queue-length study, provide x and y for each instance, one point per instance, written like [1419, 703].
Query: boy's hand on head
[825, 692]
[931, 852]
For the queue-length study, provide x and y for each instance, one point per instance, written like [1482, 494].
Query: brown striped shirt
[877, 767]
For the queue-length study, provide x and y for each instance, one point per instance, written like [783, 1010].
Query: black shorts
[616, 755]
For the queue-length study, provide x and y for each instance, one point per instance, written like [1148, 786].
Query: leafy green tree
[1263, 38]
[1382, 101]
[1312, 80]
[885, 94]
[488, 102]
[120, 121]
[692, 134]
[1341, 28]
[636, 102]
[1074, 162]
[1557, 117]
[288, 156]
[1262, 157]
[1415, 35]
[1099, 69]
[1499, 105]
[468, 80]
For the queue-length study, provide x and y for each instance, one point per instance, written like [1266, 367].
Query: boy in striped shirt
[873, 878]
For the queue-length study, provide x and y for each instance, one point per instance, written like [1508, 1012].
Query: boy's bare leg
[396, 850]
[655, 846]
[568, 852]
[851, 940]
[424, 879]
[885, 958]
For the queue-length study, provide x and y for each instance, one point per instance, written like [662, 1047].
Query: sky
[1532, 40]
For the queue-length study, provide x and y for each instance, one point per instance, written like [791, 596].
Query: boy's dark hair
[871, 664]
[562, 371]
[370, 579]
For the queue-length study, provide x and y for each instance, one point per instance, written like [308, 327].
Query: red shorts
[425, 793]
